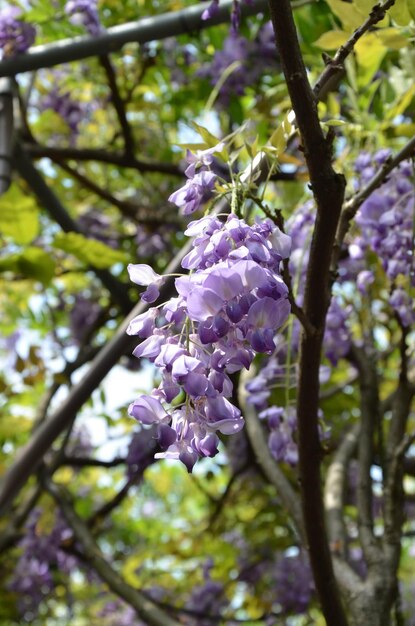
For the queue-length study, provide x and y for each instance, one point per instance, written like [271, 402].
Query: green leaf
[280, 136]
[393, 38]
[349, 14]
[411, 8]
[18, 216]
[332, 40]
[89, 251]
[206, 135]
[402, 104]
[400, 12]
[335, 122]
[32, 263]
[370, 52]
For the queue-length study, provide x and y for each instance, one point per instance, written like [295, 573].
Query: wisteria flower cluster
[84, 13]
[386, 220]
[239, 59]
[200, 180]
[16, 36]
[229, 308]
[41, 555]
[213, 10]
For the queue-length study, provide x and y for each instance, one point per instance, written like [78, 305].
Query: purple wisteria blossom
[228, 309]
[200, 181]
[142, 274]
[16, 36]
[70, 110]
[84, 13]
[235, 67]
[41, 555]
[213, 9]
[82, 317]
[386, 223]
[294, 583]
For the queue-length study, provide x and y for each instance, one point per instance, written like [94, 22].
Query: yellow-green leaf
[393, 38]
[89, 251]
[332, 40]
[18, 216]
[411, 8]
[349, 14]
[400, 13]
[32, 263]
[369, 52]
[206, 135]
[402, 104]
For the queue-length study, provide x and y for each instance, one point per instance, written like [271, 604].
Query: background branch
[148, 29]
[49, 201]
[145, 608]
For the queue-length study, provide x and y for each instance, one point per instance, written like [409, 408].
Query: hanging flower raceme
[16, 36]
[229, 307]
[84, 13]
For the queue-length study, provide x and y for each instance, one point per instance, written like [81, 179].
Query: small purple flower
[16, 36]
[211, 11]
[84, 13]
[143, 324]
[194, 193]
[147, 410]
[142, 274]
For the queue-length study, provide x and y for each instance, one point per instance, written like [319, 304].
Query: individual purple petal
[166, 436]
[196, 385]
[207, 446]
[143, 324]
[203, 303]
[211, 11]
[168, 354]
[281, 243]
[151, 294]
[142, 274]
[268, 313]
[169, 387]
[185, 364]
[221, 382]
[225, 282]
[234, 311]
[150, 347]
[147, 410]
[222, 415]
[262, 340]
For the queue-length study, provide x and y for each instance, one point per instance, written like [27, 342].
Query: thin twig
[335, 65]
[119, 105]
[102, 156]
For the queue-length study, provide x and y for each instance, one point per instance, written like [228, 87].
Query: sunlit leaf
[18, 216]
[89, 251]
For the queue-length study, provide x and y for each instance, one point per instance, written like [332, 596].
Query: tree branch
[80, 461]
[119, 105]
[335, 65]
[145, 608]
[102, 156]
[129, 209]
[335, 489]
[396, 447]
[263, 456]
[328, 189]
[187, 20]
[57, 211]
[370, 416]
